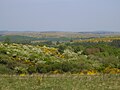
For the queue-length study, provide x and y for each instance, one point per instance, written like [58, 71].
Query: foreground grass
[60, 82]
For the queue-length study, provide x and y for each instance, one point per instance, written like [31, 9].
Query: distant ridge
[2, 32]
[84, 32]
[101, 32]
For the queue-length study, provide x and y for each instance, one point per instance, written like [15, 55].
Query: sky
[60, 15]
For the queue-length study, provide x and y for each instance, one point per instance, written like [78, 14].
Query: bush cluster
[30, 59]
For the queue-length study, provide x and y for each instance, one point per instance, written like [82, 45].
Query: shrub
[20, 70]
[89, 51]
[31, 69]
[5, 70]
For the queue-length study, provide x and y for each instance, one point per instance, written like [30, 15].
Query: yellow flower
[81, 73]
[22, 75]
[92, 72]
[56, 72]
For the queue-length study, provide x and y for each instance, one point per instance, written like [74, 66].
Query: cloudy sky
[60, 15]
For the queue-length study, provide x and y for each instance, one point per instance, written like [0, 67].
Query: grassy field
[60, 82]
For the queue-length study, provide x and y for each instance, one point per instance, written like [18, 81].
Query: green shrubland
[85, 58]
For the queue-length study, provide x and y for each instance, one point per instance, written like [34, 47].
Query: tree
[7, 40]
[71, 40]
[57, 43]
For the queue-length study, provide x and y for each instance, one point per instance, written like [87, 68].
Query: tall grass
[60, 82]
